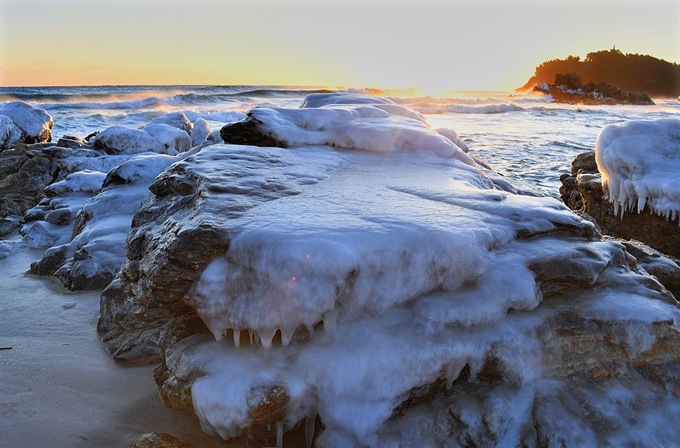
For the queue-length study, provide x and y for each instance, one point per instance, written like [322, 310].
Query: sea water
[525, 137]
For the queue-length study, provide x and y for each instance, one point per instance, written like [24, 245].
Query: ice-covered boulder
[10, 134]
[24, 172]
[35, 124]
[396, 294]
[98, 207]
[200, 131]
[381, 127]
[640, 166]
[177, 120]
[630, 184]
[159, 138]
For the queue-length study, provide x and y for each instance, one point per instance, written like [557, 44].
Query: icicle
[237, 337]
[279, 434]
[330, 319]
[286, 336]
[266, 337]
[309, 428]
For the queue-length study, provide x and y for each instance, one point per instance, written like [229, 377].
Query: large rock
[568, 88]
[582, 191]
[392, 290]
[97, 208]
[24, 172]
[35, 125]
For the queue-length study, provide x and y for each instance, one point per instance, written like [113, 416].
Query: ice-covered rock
[159, 138]
[381, 127]
[173, 140]
[35, 124]
[100, 207]
[389, 287]
[10, 134]
[639, 161]
[640, 166]
[24, 172]
[200, 132]
[175, 119]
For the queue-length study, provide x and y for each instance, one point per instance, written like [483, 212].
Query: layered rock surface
[391, 288]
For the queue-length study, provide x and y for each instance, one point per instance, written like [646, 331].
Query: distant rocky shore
[569, 88]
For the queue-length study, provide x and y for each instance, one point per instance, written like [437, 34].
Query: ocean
[523, 136]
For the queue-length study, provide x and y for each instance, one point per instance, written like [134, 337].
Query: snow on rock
[35, 124]
[102, 206]
[159, 138]
[380, 126]
[174, 140]
[583, 192]
[10, 134]
[201, 130]
[177, 120]
[396, 293]
[640, 162]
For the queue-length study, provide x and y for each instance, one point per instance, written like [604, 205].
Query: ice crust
[393, 260]
[158, 138]
[400, 264]
[640, 166]
[372, 125]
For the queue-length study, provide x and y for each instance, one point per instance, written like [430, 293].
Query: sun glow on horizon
[436, 46]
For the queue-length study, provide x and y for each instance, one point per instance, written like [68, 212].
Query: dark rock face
[248, 132]
[568, 88]
[582, 192]
[24, 172]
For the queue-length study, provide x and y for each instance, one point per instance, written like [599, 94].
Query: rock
[24, 172]
[533, 320]
[10, 134]
[159, 138]
[159, 440]
[582, 192]
[94, 243]
[70, 141]
[174, 140]
[121, 140]
[200, 132]
[175, 119]
[35, 124]
[249, 132]
[569, 89]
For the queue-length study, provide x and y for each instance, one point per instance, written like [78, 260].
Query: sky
[480, 45]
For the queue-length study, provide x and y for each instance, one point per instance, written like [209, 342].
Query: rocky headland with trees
[629, 72]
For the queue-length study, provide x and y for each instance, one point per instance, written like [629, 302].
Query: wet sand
[59, 387]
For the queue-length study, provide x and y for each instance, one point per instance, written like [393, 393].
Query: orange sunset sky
[491, 45]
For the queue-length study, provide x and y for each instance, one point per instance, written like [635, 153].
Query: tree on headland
[631, 72]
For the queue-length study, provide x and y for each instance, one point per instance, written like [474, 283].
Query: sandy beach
[59, 386]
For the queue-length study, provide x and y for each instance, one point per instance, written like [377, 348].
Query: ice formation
[159, 138]
[382, 127]
[640, 166]
[373, 261]
[35, 124]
